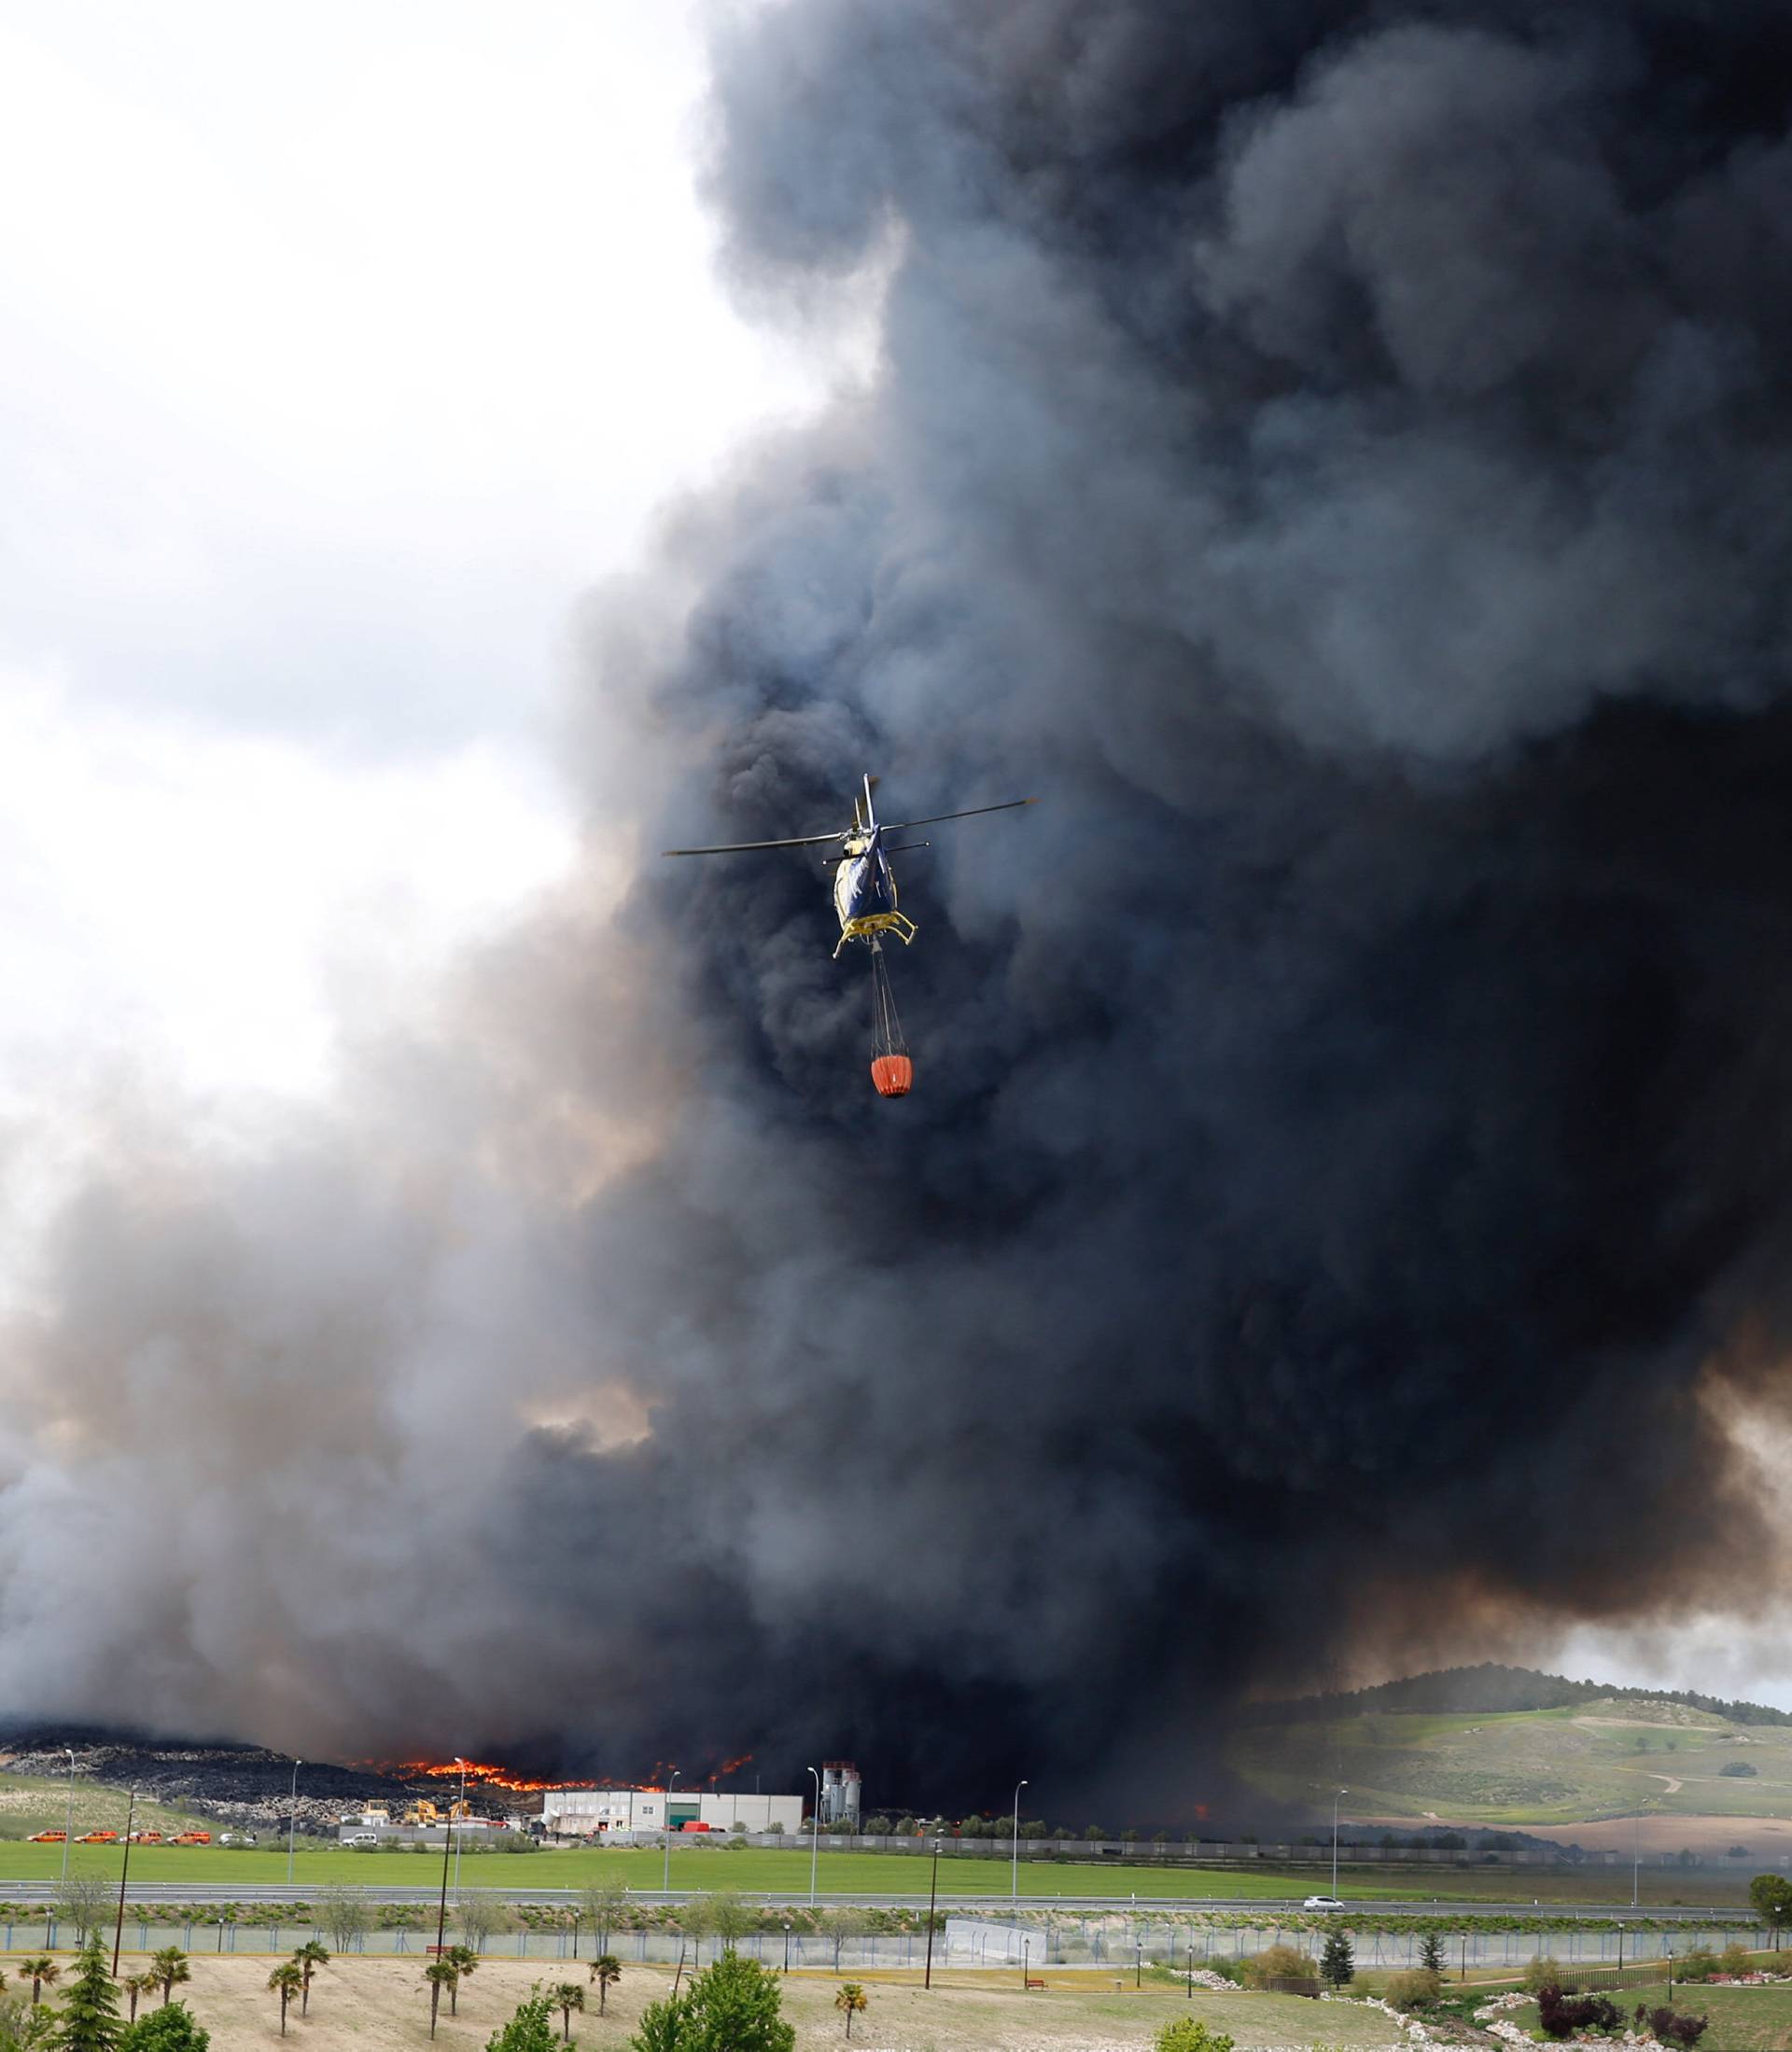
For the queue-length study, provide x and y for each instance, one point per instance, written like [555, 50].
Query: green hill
[1506, 1746]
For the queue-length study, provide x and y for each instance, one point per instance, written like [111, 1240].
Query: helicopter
[865, 903]
[864, 885]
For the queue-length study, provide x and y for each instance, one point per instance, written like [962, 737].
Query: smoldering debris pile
[246, 1785]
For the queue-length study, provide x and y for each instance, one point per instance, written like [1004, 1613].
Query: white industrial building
[591, 1812]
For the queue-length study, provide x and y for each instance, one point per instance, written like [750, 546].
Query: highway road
[1731, 1918]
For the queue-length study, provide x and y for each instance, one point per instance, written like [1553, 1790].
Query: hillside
[1602, 1753]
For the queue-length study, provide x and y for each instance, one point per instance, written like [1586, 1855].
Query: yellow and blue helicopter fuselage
[864, 892]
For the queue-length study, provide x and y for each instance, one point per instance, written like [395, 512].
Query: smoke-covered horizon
[1336, 455]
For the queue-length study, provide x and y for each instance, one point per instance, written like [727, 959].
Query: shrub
[1669, 2025]
[1739, 1770]
[1277, 1963]
[1190, 2035]
[1734, 1960]
[1543, 1972]
[1561, 2015]
[1418, 1988]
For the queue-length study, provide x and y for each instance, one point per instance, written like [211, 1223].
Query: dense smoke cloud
[1338, 457]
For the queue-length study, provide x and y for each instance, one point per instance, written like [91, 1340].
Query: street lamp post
[117, 1929]
[815, 1834]
[68, 1821]
[1636, 1863]
[665, 1884]
[292, 1818]
[454, 1822]
[1620, 1945]
[1138, 1963]
[1335, 1801]
[1013, 1846]
[932, 1897]
[787, 1945]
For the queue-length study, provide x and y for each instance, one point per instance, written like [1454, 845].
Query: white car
[1323, 1901]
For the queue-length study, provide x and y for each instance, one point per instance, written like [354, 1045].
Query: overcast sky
[339, 350]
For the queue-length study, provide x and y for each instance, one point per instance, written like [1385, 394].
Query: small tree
[1543, 1972]
[1337, 1962]
[1190, 2035]
[169, 2028]
[1431, 1952]
[438, 1974]
[1771, 1897]
[1275, 1962]
[606, 1970]
[1093, 1832]
[566, 1996]
[735, 2004]
[850, 2001]
[729, 1916]
[308, 1958]
[464, 1960]
[530, 2029]
[481, 1913]
[171, 1968]
[602, 1904]
[344, 1914]
[136, 1986]
[87, 2017]
[1417, 1988]
[42, 1972]
[285, 1981]
[664, 2027]
[82, 1902]
[843, 1924]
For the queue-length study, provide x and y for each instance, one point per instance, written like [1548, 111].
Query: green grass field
[754, 1870]
[1610, 1758]
[765, 1871]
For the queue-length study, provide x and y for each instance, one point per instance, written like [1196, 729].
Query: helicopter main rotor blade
[749, 848]
[1008, 804]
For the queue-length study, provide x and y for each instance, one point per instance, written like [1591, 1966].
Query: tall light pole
[1335, 1801]
[68, 1824]
[117, 1929]
[932, 1897]
[1014, 1844]
[1636, 1862]
[665, 1888]
[453, 1822]
[815, 1834]
[292, 1817]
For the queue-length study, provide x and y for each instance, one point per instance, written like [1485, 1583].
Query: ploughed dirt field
[380, 2006]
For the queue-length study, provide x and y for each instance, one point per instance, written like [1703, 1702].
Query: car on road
[1323, 1901]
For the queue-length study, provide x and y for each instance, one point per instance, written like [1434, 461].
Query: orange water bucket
[893, 1074]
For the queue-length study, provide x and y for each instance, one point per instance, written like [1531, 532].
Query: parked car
[1323, 1901]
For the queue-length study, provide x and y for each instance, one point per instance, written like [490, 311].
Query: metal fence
[1097, 1941]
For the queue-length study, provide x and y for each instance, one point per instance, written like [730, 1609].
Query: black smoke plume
[1338, 457]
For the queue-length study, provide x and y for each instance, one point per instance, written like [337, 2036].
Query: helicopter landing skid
[872, 925]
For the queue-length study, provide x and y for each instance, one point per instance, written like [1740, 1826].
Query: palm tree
[606, 1970]
[566, 1997]
[308, 1958]
[285, 1981]
[170, 1967]
[44, 1972]
[851, 1999]
[465, 1961]
[138, 1985]
[438, 1974]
